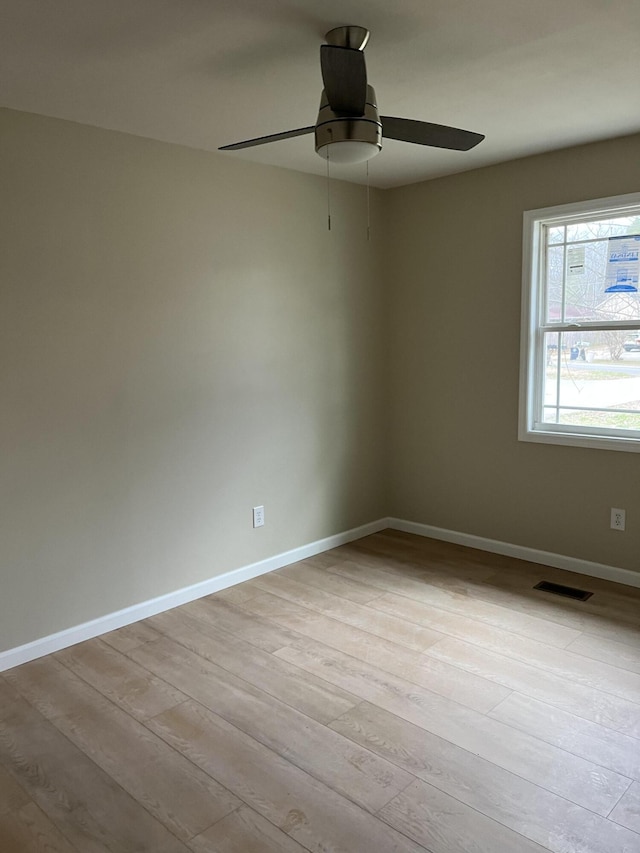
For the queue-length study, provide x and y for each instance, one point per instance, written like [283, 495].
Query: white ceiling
[533, 75]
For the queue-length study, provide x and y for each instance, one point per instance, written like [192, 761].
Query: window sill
[576, 439]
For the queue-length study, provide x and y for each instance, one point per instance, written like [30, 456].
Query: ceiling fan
[348, 128]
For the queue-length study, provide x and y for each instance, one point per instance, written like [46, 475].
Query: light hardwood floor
[394, 695]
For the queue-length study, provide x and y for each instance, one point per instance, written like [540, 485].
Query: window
[580, 366]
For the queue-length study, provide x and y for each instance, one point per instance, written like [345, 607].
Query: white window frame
[530, 424]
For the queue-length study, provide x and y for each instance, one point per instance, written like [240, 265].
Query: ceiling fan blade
[344, 74]
[262, 140]
[425, 133]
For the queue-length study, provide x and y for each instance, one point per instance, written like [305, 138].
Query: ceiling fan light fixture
[347, 152]
[345, 139]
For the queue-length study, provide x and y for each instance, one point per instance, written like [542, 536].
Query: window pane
[555, 271]
[594, 382]
[586, 265]
[602, 280]
[553, 365]
[555, 234]
[603, 228]
[606, 420]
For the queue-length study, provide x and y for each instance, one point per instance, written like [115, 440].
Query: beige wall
[181, 340]
[455, 279]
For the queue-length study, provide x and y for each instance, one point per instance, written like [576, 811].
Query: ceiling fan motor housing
[332, 127]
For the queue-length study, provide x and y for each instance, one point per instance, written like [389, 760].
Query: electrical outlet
[258, 516]
[617, 519]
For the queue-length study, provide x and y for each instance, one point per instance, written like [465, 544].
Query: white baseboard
[545, 558]
[112, 621]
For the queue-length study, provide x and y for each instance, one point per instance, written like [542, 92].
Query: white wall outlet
[258, 516]
[617, 519]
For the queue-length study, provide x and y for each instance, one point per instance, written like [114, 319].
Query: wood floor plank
[622, 655]
[389, 627]
[586, 702]
[485, 587]
[571, 777]
[597, 743]
[436, 551]
[461, 603]
[525, 808]
[258, 632]
[130, 636]
[84, 803]
[397, 544]
[525, 572]
[408, 563]
[29, 830]
[612, 597]
[325, 559]
[520, 598]
[245, 831]
[316, 698]
[333, 759]
[234, 594]
[507, 566]
[113, 675]
[627, 812]
[424, 555]
[614, 607]
[312, 814]
[442, 824]
[179, 795]
[566, 664]
[353, 590]
[12, 796]
[413, 666]
[565, 611]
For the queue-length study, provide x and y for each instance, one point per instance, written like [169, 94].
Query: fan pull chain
[368, 207]
[328, 194]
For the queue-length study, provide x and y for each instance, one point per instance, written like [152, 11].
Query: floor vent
[567, 591]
